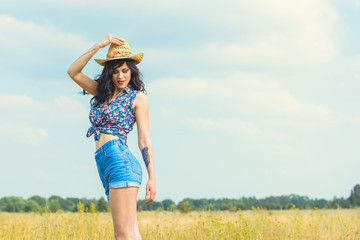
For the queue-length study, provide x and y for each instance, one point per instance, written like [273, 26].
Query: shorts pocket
[135, 165]
[113, 150]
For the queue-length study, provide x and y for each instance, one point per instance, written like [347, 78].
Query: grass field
[256, 224]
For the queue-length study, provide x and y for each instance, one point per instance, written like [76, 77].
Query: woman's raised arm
[75, 69]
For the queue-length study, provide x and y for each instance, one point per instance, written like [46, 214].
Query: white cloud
[67, 109]
[283, 149]
[223, 125]
[271, 32]
[356, 120]
[23, 133]
[246, 95]
[165, 112]
[356, 2]
[262, 32]
[93, 3]
[24, 108]
[35, 44]
[15, 101]
[281, 138]
[189, 87]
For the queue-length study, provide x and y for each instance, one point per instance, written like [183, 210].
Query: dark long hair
[106, 86]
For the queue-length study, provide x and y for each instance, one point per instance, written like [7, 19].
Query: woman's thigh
[122, 204]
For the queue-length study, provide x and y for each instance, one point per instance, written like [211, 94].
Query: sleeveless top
[116, 118]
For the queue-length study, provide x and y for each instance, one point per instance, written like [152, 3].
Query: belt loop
[122, 141]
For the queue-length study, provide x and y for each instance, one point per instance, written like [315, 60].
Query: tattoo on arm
[88, 52]
[145, 155]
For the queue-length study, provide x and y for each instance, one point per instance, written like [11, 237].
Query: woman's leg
[136, 229]
[122, 204]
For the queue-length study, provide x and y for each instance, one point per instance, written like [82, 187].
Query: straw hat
[122, 51]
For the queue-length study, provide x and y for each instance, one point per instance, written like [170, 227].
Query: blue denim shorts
[117, 166]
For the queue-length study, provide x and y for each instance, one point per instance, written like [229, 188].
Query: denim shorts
[117, 166]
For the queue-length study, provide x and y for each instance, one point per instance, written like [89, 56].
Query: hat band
[118, 55]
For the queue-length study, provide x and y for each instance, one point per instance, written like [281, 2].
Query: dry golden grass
[256, 224]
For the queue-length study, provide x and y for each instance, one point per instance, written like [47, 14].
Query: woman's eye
[125, 71]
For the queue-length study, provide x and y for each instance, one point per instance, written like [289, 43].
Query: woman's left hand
[108, 39]
[150, 187]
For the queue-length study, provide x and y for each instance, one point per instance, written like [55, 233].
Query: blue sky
[246, 98]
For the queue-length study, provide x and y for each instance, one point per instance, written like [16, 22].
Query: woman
[118, 100]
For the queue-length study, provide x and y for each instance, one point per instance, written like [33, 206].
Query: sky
[247, 98]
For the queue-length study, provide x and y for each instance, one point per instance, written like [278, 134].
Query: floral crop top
[116, 118]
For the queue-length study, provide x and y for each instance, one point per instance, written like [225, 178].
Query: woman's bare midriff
[104, 137]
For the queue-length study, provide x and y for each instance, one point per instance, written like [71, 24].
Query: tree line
[56, 203]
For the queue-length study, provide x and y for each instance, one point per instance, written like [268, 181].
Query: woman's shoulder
[141, 96]
[141, 99]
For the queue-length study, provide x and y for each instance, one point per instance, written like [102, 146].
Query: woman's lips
[121, 82]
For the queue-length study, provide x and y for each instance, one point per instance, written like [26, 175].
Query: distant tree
[14, 204]
[290, 206]
[39, 200]
[65, 204]
[319, 203]
[54, 205]
[344, 203]
[184, 206]
[210, 207]
[154, 205]
[239, 204]
[31, 206]
[54, 197]
[170, 208]
[140, 204]
[225, 206]
[355, 196]
[159, 209]
[139, 209]
[199, 204]
[272, 206]
[335, 203]
[166, 203]
[102, 205]
[73, 200]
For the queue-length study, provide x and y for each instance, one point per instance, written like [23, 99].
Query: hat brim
[137, 58]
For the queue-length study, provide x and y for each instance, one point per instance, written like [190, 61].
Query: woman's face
[121, 77]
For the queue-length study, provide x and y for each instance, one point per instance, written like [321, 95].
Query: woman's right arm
[75, 69]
